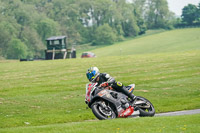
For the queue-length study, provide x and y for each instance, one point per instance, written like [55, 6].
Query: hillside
[47, 92]
[48, 96]
[169, 41]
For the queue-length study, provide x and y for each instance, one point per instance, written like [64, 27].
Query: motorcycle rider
[103, 79]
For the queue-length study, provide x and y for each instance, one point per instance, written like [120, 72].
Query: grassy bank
[182, 124]
[169, 41]
[49, 92]
[44, 96]
[89, 47]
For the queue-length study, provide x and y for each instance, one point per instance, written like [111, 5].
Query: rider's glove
[86, 102]
[104, 84]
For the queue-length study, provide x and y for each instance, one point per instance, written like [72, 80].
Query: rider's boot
[129, 94]
[123, 89]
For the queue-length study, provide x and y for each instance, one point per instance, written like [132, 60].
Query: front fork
[138, 104]
[134, 104]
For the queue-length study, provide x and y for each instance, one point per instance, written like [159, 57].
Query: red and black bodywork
[117, 102]
[107, 103]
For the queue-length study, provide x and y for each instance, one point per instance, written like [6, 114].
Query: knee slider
[119, 84]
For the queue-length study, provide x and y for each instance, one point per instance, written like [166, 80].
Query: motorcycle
[106, 103]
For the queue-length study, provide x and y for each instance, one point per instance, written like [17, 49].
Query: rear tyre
[146, 108]
[102, 110]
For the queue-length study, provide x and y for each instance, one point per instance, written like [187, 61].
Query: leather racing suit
[104, 77]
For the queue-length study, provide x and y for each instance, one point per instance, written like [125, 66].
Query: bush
[16, 49]
[104, 35]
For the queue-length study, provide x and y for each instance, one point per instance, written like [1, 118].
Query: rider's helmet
[92, 73]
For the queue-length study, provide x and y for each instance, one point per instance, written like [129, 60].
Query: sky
[176, 6]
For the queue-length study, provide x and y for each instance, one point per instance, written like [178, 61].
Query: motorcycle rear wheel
[147, 108]
[102, 113]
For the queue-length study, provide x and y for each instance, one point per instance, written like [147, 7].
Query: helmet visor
[91, 75]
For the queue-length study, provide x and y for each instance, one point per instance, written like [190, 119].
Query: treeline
[25, 24]
[190, 16]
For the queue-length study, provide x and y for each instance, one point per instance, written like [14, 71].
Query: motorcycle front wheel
[145, 107]
[103, 110]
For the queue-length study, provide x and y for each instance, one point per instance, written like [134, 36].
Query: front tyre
[103, 110]
[145, 107]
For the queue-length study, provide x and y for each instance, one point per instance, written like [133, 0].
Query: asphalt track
[185, 112]
[176, 113]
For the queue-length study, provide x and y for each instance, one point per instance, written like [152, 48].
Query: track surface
[185, 112]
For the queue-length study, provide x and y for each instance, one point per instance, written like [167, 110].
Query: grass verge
[172, 124]
[50, 92]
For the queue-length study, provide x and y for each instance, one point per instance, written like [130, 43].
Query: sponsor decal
[87, 96]
[127, 112]
[102, 93]
[120, 110]
[130, 89]
[108, 95]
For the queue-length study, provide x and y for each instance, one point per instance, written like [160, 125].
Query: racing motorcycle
[106, 103]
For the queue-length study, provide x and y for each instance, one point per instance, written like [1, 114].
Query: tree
[139, 11]
[8, 30]
[130, 27]
[157, 13]
[16, 49]
[189, 14]
[73, 35]
[198, 12]
[22, 17]
[35, 47]
[4, 40]
[120, 32]
[128, 20]
[104, 35]
[83, 21]
[47, 28]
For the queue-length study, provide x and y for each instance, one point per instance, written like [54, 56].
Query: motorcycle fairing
[129, 111]
[106, 95]
[89, 89]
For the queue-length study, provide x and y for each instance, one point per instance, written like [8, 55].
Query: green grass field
[176, 124]
[160, 42]
[89, 47]
[48, 96]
